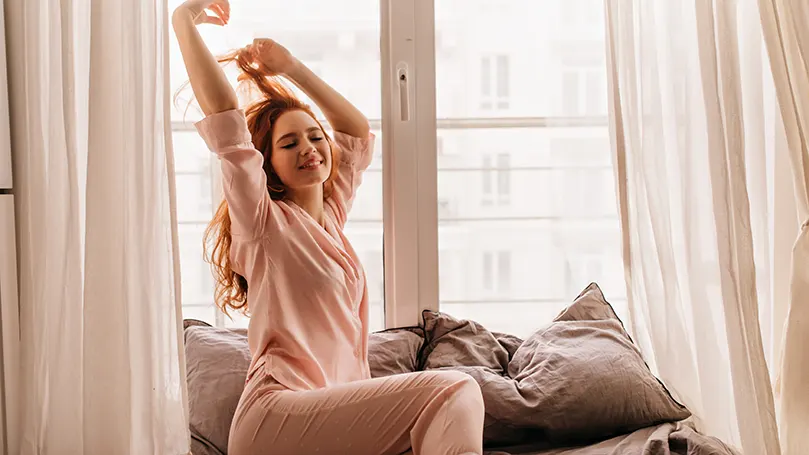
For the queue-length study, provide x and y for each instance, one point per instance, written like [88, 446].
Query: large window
[495, 201]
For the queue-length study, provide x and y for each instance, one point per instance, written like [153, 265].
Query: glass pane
[339, 41]
[528, 208]
[203, 313]
[515, 68]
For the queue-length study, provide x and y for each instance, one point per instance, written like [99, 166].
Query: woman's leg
[435, 412]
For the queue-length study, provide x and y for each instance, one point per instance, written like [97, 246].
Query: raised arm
[208, 81]
[340, 113]
[224, 127]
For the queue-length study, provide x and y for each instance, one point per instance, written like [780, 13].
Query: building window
[497, 271]
[494, 82]
[496, 180]
[584, 92]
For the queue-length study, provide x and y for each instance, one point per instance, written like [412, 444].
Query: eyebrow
[290, 135]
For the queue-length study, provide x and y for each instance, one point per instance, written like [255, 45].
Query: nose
[308, 148]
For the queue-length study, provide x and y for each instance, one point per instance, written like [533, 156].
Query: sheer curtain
[784, 24]
[103, 370]
[693, 128]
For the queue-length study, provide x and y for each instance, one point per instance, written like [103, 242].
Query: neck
[309, 199]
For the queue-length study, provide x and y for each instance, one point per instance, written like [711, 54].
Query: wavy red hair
[274, 100]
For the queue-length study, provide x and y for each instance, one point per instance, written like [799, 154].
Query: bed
[577, 386]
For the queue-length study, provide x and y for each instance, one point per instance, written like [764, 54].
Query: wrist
[295, 70]
[182, 17]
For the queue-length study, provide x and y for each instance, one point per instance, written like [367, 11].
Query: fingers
[216, 20]
[216, 9]
[224, 7]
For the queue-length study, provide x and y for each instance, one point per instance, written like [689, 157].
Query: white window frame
[409, 161]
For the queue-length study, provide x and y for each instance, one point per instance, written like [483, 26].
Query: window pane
[503, 177]
[485, 77]
[487, 271]
[339, 41]
[551, 224]
[488, 173]
[570, 93]
[504, 271]
[502, 76]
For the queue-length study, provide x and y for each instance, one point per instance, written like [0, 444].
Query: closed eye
[289, 146]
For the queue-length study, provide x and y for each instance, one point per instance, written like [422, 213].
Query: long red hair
[274, 100]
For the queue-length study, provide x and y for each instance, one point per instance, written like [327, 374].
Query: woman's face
[301, 155]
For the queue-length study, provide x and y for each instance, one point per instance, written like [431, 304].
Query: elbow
[364, 128]
[361, 127]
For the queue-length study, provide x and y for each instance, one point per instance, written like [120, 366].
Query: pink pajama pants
[434, 412]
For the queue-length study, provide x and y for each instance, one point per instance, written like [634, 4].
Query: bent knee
[462, 384]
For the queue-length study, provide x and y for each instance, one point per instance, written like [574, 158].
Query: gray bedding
[666, 439]
[575, 382]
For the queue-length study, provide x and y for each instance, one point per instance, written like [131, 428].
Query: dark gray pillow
[578, 379]
[467, 346]
[453, 342]
[394, 351]
[582, 378]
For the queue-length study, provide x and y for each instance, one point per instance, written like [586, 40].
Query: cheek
[327, 153]
[282, 164]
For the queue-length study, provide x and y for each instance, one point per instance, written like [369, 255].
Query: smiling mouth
[311, 165]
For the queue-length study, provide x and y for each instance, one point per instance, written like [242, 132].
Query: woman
[280, 252]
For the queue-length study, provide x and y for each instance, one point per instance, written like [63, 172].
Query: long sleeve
[354, 158]
[243, 180]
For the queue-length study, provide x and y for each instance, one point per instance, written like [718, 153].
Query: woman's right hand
[215, 12]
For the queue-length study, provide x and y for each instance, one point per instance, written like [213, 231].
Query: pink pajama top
[307, 295]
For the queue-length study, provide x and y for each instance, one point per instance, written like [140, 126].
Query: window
[496, 276]
[496, 180]
[477, 198]
[584, 92]
[494, 82]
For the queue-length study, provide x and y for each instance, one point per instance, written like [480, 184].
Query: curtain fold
[787, 37]
[103, 370]
[691, 137]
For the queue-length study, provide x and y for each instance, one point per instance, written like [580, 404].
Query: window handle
[404, 91]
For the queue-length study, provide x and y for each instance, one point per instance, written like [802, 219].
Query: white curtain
[103, 370]
[693, 123]
[785, 29]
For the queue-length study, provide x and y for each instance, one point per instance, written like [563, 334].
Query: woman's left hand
[273, 57]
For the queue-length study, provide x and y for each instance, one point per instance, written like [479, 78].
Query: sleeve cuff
[224, 129]
[354, 148]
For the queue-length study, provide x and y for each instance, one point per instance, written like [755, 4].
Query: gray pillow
[394, 351]
[453, 342]
[578, 379]
[216, 362]
[582, 378]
